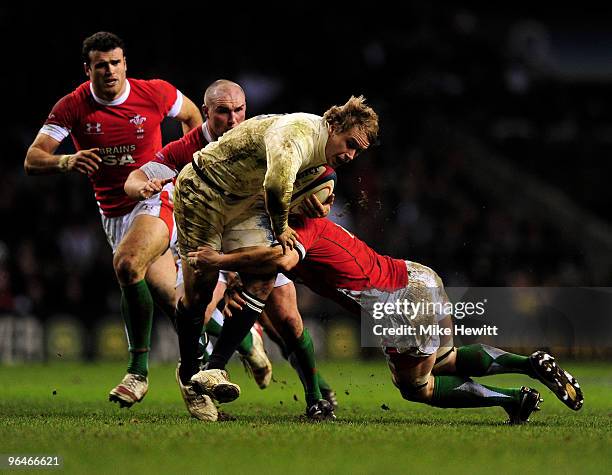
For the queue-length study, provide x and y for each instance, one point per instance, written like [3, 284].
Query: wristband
[63, 163]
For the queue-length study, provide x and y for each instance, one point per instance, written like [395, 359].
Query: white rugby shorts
[159, 205]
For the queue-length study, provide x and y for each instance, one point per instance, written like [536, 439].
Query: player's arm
[139, 186]
[284, 157]
[40, 158]
[189, 115]
[218, 294]
[255, 260]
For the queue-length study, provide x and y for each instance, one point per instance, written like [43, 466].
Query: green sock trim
[305, 355]
[137, 312]
[483, 360]
[246, 344]
[323, 386]
[213, 328]
[458, 391]
[293, 360]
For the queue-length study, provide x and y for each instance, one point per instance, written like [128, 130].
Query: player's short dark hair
[101, 41]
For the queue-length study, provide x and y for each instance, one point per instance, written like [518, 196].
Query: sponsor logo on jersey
[118, 156]
[93, 128]
[138, 121]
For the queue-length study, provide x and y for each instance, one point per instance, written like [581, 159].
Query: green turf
[157, 436]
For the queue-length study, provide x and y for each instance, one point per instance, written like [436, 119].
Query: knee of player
[417, 390]
[258, 286]
[127, 268]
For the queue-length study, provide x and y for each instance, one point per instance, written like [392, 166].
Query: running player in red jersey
[224, 108]
[114, 123]
[336, 264]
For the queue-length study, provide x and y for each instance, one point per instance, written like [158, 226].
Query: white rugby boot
[133, 388]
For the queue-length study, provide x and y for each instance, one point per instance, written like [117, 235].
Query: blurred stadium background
[496, 128]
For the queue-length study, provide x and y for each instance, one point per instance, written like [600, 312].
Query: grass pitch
[61, 409]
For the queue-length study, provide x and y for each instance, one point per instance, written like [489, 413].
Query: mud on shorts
[424, 287]
[159, 205]
[204, 216]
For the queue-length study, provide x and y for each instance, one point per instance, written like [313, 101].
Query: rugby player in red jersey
[114, 123]
[334, 263]
[224, 108]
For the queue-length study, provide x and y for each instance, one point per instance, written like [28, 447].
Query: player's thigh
[427, 286]
[446, 354]
[248, 226]
[161, 277]
[198, 288]
[282, 310]
[199, 212]
[146, 239]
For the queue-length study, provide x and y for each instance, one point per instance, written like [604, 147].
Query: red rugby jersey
[178, 153]
[126, 130]
[335, 259]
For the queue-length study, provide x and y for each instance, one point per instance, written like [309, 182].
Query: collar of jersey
[206, 133]
[115, 102]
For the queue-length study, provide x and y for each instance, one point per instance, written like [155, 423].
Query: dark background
[496, 132]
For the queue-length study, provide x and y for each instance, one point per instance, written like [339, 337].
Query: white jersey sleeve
[157, 170]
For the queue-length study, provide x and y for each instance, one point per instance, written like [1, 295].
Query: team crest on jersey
[138, 121]
[93, 128]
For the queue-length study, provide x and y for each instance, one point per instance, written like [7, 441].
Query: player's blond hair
[355, 113]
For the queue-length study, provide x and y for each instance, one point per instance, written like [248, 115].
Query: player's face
[343, 147]
[106, 71]
[225, 111]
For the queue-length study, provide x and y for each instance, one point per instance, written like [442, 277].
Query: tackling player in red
[333, 262]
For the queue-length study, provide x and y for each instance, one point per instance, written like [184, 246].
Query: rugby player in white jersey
[236, 194]
[224, 108]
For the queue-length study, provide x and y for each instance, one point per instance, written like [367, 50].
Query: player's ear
[125, 62]
[86, 68]
[205, 111]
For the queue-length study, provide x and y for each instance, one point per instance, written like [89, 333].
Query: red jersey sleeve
[170, 99]
[179, 153]
[61, 119]
[307, 228]
[170, 155]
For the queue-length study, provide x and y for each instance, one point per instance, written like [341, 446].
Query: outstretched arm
[139, 186]
[255, 260]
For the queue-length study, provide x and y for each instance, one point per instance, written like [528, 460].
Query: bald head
[221, 88]
[224, 107]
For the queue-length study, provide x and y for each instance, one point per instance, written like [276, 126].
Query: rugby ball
[319, 181]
